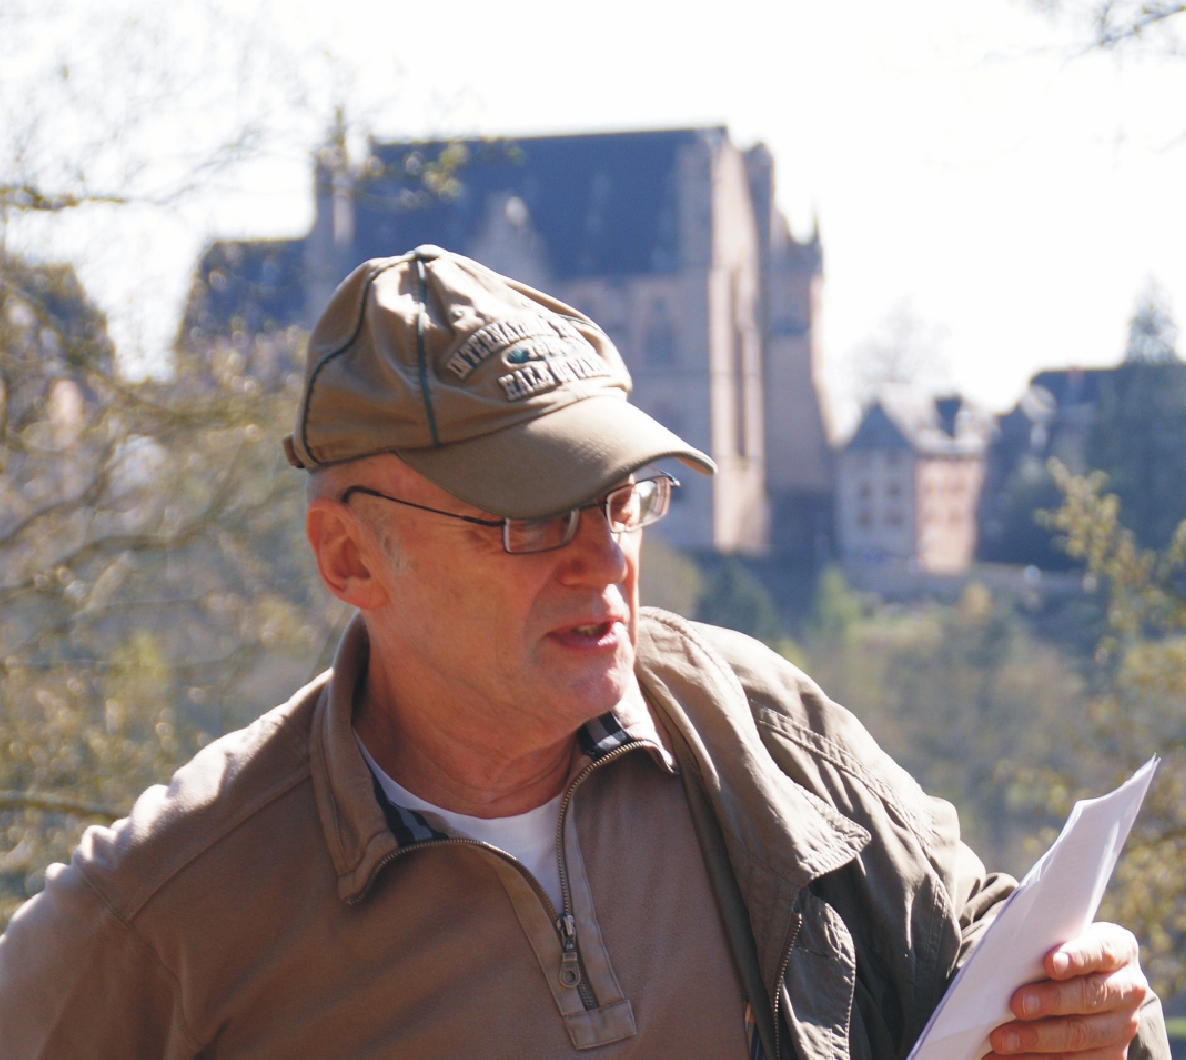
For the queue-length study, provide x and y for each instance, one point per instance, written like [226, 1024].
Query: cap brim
[553, 462]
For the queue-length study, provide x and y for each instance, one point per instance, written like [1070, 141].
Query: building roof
[604, 204]
[1072, 386]
[601, 204]
[903, 417]
[56, 303]
[255, 285]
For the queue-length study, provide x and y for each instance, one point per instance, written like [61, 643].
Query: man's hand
[1087, 1008]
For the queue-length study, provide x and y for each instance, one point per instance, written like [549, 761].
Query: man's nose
[595, 555]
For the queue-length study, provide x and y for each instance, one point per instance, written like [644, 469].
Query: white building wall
[735, 362]
[875, 504]
[948, 489]
[797, 452]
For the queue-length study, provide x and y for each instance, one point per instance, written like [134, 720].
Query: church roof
[252, 285]
[603, 204]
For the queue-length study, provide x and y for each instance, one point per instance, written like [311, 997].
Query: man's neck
[446, 762]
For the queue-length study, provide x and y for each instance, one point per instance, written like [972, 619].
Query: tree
[1139, 435]
[1112, 24]
[667, 578]
[1014, 535]
[154, 586]
[964, 697]
[904, 351]
[1152, 333]
[1138, 709]
[733, 597]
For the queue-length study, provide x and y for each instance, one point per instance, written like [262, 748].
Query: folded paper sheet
[1055, 902]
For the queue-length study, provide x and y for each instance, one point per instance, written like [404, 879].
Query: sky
[974, 169]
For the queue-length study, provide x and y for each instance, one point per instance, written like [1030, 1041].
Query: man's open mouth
[599, 629]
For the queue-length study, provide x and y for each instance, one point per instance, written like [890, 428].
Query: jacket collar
[778, 836]
[362, 828]
[356, 830]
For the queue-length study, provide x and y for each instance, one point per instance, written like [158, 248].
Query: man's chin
[591, 695]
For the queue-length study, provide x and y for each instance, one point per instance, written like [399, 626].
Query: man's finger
[1104, 1031]
[1112, 1052]
[1085, 994]
[1101, 948]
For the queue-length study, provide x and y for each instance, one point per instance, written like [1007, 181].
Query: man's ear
[344, 562]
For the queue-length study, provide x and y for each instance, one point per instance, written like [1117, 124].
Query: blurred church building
[670, 240]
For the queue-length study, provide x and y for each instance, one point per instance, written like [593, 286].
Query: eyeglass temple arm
[423, 507]
[469, 518]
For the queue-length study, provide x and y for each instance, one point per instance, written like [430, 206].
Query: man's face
[543, 640]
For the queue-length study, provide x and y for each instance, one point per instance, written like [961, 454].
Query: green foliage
[836, 609]
[964, 697]
[1139, 441]
[668, 578]
[734, 598]
[1138, 709]
[154, 587]
[1016, 536]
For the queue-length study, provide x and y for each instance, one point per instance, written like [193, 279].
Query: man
[521, 818]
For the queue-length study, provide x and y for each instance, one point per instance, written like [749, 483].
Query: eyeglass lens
[626, 508]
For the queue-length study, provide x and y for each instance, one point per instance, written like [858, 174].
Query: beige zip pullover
[264, 905]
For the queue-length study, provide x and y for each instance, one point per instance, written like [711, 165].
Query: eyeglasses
[626, 508]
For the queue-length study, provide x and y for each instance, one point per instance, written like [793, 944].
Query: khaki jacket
[846, 895]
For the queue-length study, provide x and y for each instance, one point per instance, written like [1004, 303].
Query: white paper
[1055, 903]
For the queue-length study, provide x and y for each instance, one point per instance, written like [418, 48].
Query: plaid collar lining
[596, 739]
[599, 737]
[408, 827]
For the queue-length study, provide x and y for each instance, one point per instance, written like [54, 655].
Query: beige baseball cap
[501, 395]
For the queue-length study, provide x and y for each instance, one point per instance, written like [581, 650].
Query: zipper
[782, 971]
[572, 968]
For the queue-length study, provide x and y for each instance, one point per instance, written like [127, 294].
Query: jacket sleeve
[1152, 1042]
[76, 981]
[976, 895]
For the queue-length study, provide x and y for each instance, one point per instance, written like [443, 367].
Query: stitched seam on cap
[421, 358]
[362, 303]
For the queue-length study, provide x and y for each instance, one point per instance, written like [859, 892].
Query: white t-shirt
[529, 837]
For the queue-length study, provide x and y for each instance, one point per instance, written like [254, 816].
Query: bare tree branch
[1112, 30]
[27, 197]
[27, 800]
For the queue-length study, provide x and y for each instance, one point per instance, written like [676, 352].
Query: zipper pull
[570, 968]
